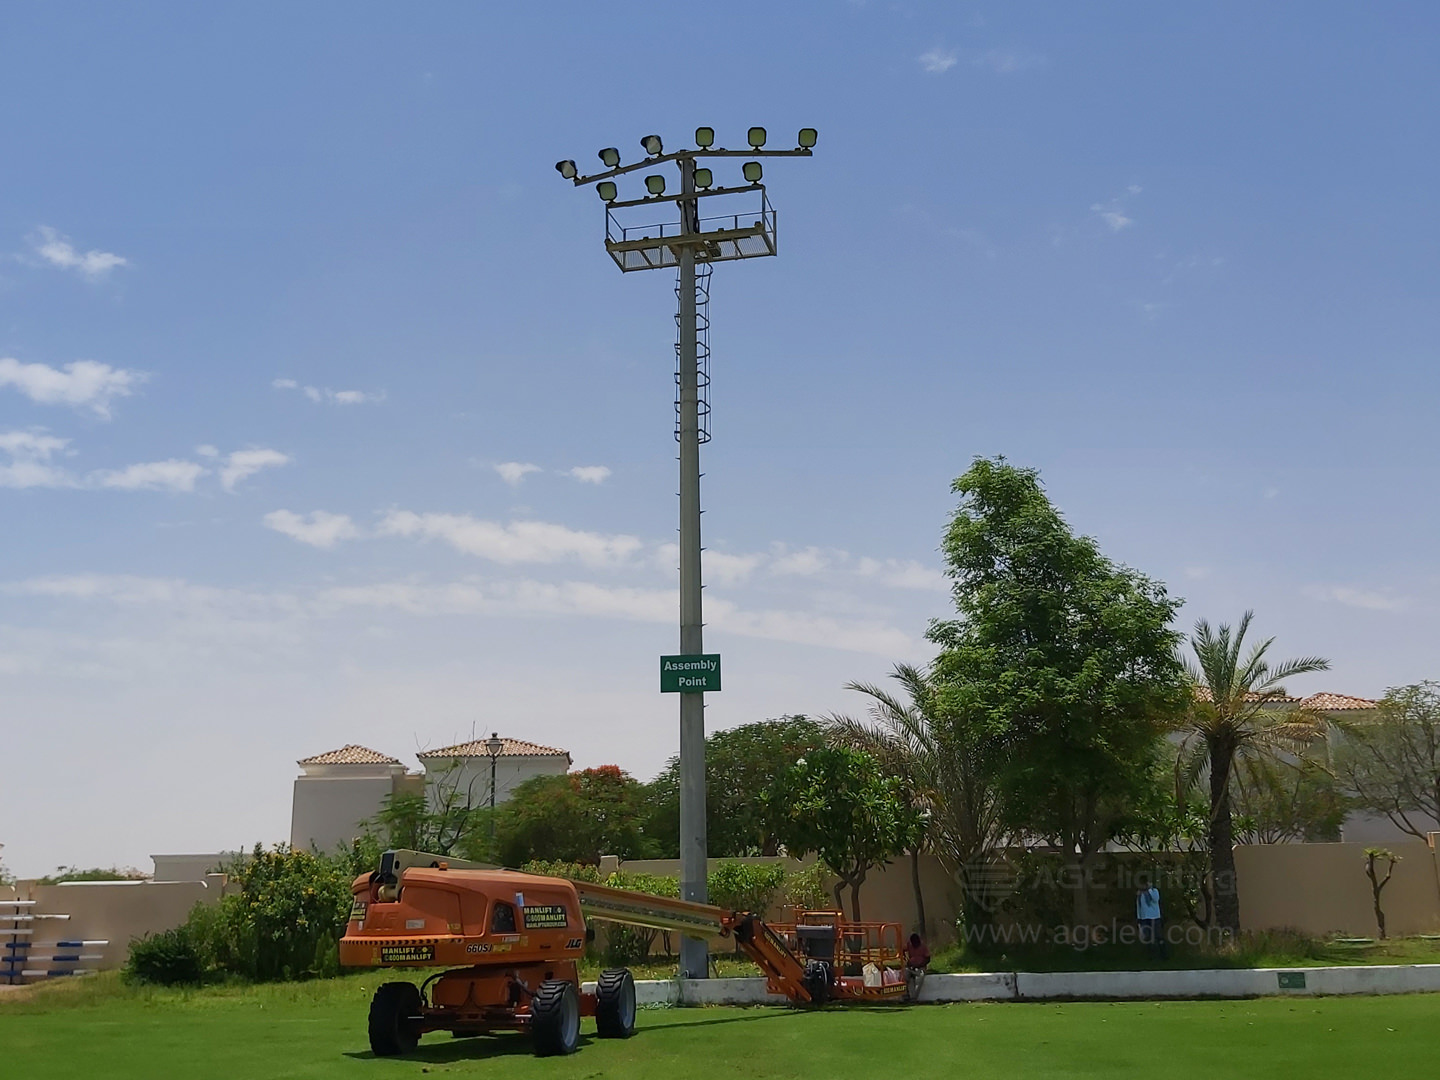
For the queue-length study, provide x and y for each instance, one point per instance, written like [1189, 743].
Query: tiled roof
[1203, 693]
[353, 754]
[1328, 702]
[512, 748]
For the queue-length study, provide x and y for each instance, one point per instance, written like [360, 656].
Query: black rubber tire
[615, 1004]
[394, 1028]
[817, 981]
[555, 1018]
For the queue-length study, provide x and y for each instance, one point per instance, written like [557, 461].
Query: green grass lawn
[104, 1029]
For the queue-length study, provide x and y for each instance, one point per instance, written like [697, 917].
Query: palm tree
[1234, 716]
[945, 773]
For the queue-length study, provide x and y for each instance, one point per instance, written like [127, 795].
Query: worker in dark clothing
[917, 959]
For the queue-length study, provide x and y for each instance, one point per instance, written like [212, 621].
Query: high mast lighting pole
[684, 244]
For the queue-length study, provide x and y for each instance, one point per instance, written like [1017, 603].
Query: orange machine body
[503, 932]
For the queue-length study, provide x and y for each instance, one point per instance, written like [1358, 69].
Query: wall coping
[1086, 985]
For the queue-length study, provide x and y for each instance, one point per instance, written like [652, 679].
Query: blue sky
[283, 288]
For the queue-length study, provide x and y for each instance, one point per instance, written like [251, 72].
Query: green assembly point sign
[690, 674]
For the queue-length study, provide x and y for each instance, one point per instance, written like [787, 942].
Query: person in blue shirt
[1147, 913]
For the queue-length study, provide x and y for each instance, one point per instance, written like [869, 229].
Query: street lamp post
[686, 244]
[493, 746]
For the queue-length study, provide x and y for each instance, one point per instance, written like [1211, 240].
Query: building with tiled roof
[469, 767]
[349, 754]
[339, 791]
[481, 748]
[1328, 702]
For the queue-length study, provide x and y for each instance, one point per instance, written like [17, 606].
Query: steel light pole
[493, 746]
[686, 244]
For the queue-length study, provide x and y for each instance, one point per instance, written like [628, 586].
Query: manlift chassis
[510, 943]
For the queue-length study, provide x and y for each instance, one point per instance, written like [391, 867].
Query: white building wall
[328, 810]
[471, 776]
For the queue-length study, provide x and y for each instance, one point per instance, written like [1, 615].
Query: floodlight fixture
[752, 171]
[567, 169]
[655, 184]
[606, 190]
[652, 145]
[610, 157]
[704, 138]
[756, 137]
[704, 178]
[807, 138]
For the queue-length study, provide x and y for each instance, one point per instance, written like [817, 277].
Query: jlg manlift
[510, 942]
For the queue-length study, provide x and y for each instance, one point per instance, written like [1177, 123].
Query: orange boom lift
[510, 942]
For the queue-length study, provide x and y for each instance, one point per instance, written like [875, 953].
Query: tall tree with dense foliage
[1391, 762]
[1061, 656]
[1233, 715]
[839, 804]
[739, 762]
[577, 817]
[948, 774]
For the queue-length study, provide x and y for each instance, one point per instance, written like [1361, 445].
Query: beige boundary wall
[1322, 889]
[1317, 889]
[114, 912]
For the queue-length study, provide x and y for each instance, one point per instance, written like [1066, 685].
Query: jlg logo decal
[574, 943]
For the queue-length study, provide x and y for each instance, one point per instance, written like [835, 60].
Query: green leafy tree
[1280, 801]
[287, 914]
[576, 818]
[450, 814]
[738, 763]
[95, 873]
[839, 804]
[1391, 762]
[948, 771]
[1233, 716]
[1060, 656]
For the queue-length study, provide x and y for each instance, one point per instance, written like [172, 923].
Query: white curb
[1096, 985]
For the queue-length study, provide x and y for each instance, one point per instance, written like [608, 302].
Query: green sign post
[697, 674]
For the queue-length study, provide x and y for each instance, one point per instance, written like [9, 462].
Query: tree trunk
[855, 896]
[839, 884]
[919, 895]
[1222, 841]
[1080, 886]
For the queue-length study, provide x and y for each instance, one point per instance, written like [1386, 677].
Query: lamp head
[704, 138]
[752, 171]
[606, 190]
[655, 184]
[756, 136]
[494, 744]
[610, 157]
[652, 145]
[567, 169]
[807, 138]
[704, 178]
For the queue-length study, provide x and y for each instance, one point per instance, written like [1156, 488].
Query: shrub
[169, 958]
[808, 889]
[746, 886]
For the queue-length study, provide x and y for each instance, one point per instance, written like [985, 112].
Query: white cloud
[318, 528]
[83, 384]
[1008, 61]
[1368, 599]
[937, 61]
[206, 450]
[29, 465]
[334, 397]
[512, 472]
[806, 562]
[1112, 216]
[590, 474]
[59, 252]
[903, 574]
[245, 463]
[170, 475]
[516, 542]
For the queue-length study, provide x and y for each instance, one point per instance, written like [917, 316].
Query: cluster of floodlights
[704, 178]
